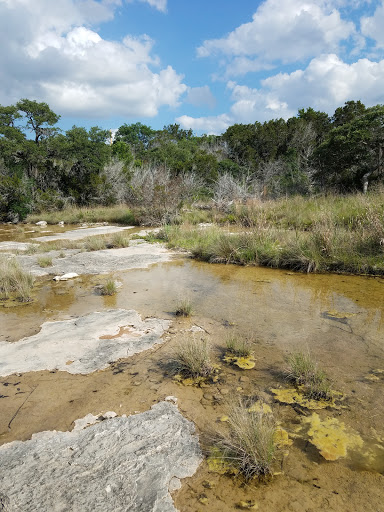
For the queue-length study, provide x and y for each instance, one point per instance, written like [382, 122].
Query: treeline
[42, 167]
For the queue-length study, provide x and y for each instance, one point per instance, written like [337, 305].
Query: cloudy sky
[205, 64]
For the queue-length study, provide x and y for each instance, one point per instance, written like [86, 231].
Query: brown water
[340, 319]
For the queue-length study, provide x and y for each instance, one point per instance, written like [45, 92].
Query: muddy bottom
[339, 319]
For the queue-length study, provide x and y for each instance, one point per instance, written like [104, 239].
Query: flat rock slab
[84, 344]
[80, 233]
[12, 246]
[138, 255]
[117, 465]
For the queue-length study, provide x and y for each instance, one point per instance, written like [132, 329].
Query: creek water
[339, 319]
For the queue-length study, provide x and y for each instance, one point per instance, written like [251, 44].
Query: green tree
[39, 117]
[352, 154]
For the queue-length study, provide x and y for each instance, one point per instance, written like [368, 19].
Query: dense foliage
[43, 168]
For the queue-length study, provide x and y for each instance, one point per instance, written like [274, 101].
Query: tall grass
[249, 444]
[14, 281]
[119, 214]
[312, 235]
[192, 359]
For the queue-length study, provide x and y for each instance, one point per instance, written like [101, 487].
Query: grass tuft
[249, 445]
[192, 359]
[14, 281]
[304, 371]
[184, 308]
[108, 288]
[44, 261]
[238, 346]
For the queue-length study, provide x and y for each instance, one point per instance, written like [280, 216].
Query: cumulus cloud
[325, 84]
[373, 26]
[210, 125]
[201, 97]
[50, 53]
[281, 31]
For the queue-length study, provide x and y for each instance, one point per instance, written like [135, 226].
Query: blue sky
[203, 64]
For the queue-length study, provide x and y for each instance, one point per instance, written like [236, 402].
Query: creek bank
[84, 344]
[116, 465]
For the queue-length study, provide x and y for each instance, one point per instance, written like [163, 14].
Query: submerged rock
[84, 344]
[117, 465]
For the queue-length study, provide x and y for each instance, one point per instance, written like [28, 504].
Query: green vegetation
[249, 445]
[108, 288]
[191, 359]
[238, 346]
[184, 307]
[326, 234]
[303, 371]
[156, 172]
[118, 214]
[44, 261]
[14, 281]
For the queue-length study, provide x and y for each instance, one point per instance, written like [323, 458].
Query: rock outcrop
[84, 344]
[118, 465]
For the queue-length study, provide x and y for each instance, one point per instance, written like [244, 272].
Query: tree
[352, 154]
[40, 118]
[351, 111]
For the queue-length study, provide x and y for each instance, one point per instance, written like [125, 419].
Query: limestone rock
[65, 277]
[117, 465]
[84, 344]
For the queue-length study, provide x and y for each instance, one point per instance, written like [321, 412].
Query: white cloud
[59, 59]
[372, 26]
[281, 31]
[201, 97]
[210, 125]
[325, 84]
[161, 5]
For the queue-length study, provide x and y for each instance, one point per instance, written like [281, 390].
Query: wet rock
[92, 342]
[117, 465]
[65, 277]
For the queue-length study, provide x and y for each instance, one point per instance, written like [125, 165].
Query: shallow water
[339, 319]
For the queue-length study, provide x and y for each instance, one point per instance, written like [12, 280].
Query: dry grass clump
[118, 241]
[238, 346]
[95, 243]
[44, 261]
[191, 359]
[14, 281]
[108, 288]
[303, 371]
[249, 444]
[184, 307]
[119, 214]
